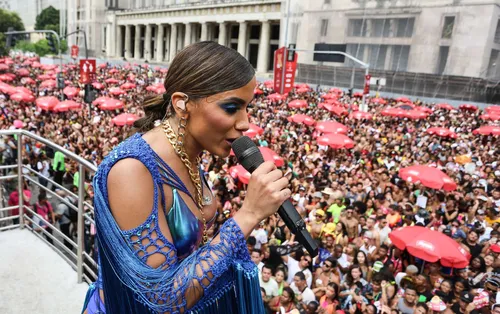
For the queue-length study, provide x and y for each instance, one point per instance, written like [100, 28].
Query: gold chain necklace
[176, 141]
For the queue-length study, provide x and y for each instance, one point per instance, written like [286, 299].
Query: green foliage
[48, 19]
[8, 19]
[25, 46]
[41, 47]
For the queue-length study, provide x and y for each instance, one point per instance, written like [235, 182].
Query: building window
[449, 22]
[442, 59]
[356, 28]
[497, 33]
[399, 59]
[404, 27]
[493, 69]
[324, 27]
[380, 27]
[377, 54]
[356, 50]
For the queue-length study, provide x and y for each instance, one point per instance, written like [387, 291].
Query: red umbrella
[27, 80]
[423, 109]
[336, 110]
[403, 99]
[6, 88]
[336, 141]
[21, 89]
[380, 101]
[358, 94]
[240, 173]
[128, 85]
[124, 119]
[253, 131]
[493, 116]
[71, 91]
[443, 132]
[22, 97]
[394, 112]
[487, 130]
[111, 104]
[97, 85]
[67, 105]
[275, 97]
[4, 67]
[429, 176]
[302, 118]
[111, 81]
[330, 96]
[48, 84]
[6, 78]
[468, 107]
[116, 91]
[23, 72]
[334, 102]
[492, 109]
[415, 114]
[335, 90]
[360, 115]
[302, 85]
[157, 88]
[302, 90]
[47, 102]
[297, 104]
[331, 127]
[445, 106]
[430, 246]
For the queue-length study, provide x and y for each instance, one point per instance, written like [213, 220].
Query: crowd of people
[352, 197]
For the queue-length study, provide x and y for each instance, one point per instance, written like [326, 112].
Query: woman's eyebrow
[234, 99]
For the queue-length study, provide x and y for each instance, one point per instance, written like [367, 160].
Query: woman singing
[154, 208]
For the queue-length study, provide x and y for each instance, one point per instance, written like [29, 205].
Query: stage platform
[35, 279]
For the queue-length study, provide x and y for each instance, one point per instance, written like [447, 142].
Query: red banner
[366, 91]
[74, 51]
[87, 70]
[280, 55]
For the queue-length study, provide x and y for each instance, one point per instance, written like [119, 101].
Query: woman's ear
[179, 103]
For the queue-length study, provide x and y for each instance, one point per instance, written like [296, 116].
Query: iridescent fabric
[221, 272]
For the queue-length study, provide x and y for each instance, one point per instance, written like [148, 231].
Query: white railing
[75, 254]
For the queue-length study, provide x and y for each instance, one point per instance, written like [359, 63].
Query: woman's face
[285, 297]
[214, 121]
[476, 263]
[355, 273]
[488, 260]
[445, 287]
[330, 292]
[280, 276]
[361, 258]
[459, 287]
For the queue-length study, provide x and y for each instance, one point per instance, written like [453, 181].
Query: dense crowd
[347, 183]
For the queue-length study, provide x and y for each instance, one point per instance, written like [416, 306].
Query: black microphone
[250, 157]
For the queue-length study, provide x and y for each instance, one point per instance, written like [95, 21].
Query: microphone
[250, 157]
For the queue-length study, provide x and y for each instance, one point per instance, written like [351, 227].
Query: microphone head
[248, 154]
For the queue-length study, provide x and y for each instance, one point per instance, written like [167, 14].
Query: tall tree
[8, 19]
[48, 19]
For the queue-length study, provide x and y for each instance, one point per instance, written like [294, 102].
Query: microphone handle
[297, 226]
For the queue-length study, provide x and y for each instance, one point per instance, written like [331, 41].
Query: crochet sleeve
[188, 280]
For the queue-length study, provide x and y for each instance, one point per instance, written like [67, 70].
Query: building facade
[443, 37]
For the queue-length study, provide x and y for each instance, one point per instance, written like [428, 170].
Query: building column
[137, 42]
[109, 41]
[160, 49]
[128, 42]
[264, 46]
[173, 42]
[242, 38]
[187, 34]
[119, 42]
[222, 33]
[204, 31]
[147, 42]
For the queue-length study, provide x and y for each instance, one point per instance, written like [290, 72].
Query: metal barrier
[72, 252]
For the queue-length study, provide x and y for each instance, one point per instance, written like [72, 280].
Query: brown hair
[199, 70]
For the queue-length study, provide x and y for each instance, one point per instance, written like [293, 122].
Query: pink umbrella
[393, 112]
[240, 173]
[335, 90]
[302, 90]
[493, 116]
[6, 88]
[468, 107]
[4, 67]
[71, 91]
[97, 85]
[360, 115]
[111, 81]
[269, 84]
[21, 89]
[100, 100]
[380, 101]
[6, 78]
[331, 127]
[330, 96]
[275, 97]
[302, 118]
[253, 131]
[23, 72]
[429, 176]
[302, 85]
[334, 102]
[116, 91]
[443, 132]
[113, 71]
[27, 81]
[22, 97]
[47, 102]
[445, 106]
[336, 110]
[111, 104]
[102, 65]
[492, 109]
[487, 130]
[43, 77]
[124, 119]
[18, 124]
[336, 141]
[403, 99]
[66, 106]
[297, 104]
[127, 85]
[48, 84]
[157, 88]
